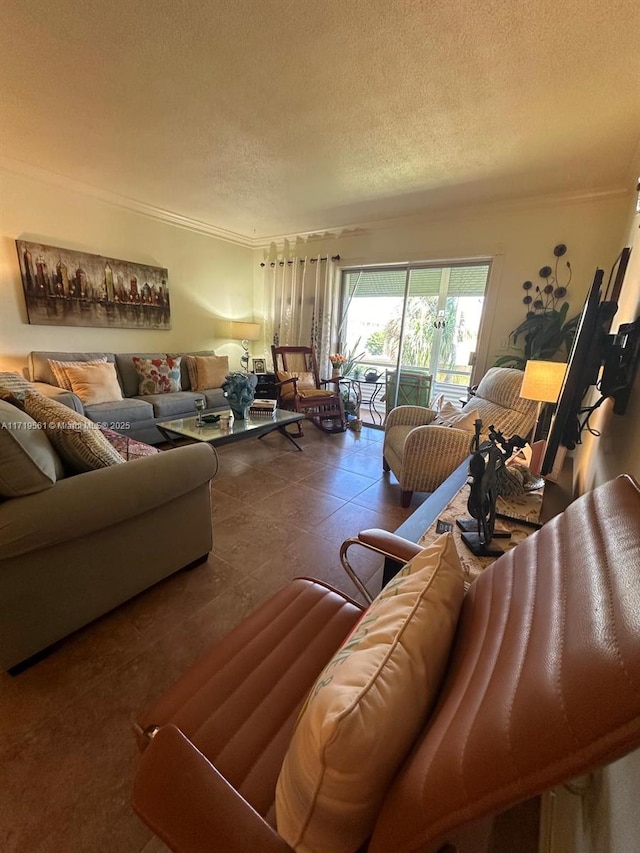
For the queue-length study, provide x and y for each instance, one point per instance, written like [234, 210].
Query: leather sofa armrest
[389, 544]
[191, 806]
[381, 542]
[80, 505]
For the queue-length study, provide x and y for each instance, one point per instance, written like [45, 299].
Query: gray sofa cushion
[39, 370]
[215, 398]
[28, 462]
[122, 411]
[169, 405]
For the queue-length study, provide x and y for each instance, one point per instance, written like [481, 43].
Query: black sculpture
[485, 463]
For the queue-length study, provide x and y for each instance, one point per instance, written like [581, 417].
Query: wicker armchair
[422, 454]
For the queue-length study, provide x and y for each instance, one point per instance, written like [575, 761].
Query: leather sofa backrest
[39, 370]
[544, 677]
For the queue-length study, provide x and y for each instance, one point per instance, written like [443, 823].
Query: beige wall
[208, 277]
[520, 238]
[606, 819]
[617, 450]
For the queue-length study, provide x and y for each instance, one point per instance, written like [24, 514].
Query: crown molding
[317, 235]
[26, 170]
[437, 214]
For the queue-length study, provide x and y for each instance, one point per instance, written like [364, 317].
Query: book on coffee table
[265, 408]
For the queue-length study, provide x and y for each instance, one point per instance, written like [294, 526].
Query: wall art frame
[63, 287]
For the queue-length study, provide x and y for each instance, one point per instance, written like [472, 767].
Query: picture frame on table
[259, 365]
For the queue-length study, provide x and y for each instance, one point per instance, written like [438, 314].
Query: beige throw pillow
[95, 383]
[368, 705]
[450, 416]
[77, 439]
[211, 371]
[58, 368]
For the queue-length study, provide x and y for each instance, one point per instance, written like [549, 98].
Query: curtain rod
[302, 261]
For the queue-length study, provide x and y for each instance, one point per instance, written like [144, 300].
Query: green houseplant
[545, 336]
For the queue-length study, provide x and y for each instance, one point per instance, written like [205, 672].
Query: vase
[240, 414]
[335, 373]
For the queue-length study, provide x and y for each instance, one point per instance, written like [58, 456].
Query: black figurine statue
[486, 461]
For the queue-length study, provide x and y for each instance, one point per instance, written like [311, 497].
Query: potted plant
[545, 333]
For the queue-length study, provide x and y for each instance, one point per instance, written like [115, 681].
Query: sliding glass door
[422, 320]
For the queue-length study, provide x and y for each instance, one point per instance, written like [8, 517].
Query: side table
[529, 508]
[373, 391]
[449, 502]
[266, 387]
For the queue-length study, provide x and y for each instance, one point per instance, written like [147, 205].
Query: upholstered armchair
[422, 448]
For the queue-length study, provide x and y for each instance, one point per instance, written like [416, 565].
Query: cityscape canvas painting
[67, 288]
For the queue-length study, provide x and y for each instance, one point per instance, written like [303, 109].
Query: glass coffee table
[256, 426]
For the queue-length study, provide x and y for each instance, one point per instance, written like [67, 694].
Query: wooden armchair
[300, 388]
[540, 685]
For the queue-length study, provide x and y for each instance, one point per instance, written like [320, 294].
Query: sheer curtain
[302, 303]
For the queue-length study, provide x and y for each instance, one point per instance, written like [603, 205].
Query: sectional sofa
[134, 415]
[81, 529]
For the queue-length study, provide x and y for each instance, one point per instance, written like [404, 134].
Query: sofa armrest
[191, 806]
[409, 416]
[389, 544]
[436, 447]
[382, 542]
[67, 398]
[85, 503]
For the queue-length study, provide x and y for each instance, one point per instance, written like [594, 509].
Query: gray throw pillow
[28, 462]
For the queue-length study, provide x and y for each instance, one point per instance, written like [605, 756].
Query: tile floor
[67, 752]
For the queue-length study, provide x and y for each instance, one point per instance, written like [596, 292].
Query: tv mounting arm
[620, 365]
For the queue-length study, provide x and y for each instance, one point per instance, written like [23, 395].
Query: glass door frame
[443, 295]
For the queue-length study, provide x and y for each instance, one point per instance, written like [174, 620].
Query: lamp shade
[542, 381]
[236, 330]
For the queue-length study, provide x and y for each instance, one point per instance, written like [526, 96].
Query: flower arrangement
[346, 363]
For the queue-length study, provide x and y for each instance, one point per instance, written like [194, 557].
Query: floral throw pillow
[158, 375]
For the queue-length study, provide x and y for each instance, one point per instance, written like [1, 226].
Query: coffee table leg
[167, 435]
[283, 429]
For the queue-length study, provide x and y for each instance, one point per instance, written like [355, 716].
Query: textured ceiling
[269, 117]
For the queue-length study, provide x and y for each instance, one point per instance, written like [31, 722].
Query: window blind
[469, 280]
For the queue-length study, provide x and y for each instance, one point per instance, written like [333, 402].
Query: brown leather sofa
[543, 685]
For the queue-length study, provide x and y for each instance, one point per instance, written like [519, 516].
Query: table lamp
[542, 382]
[244, 332]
